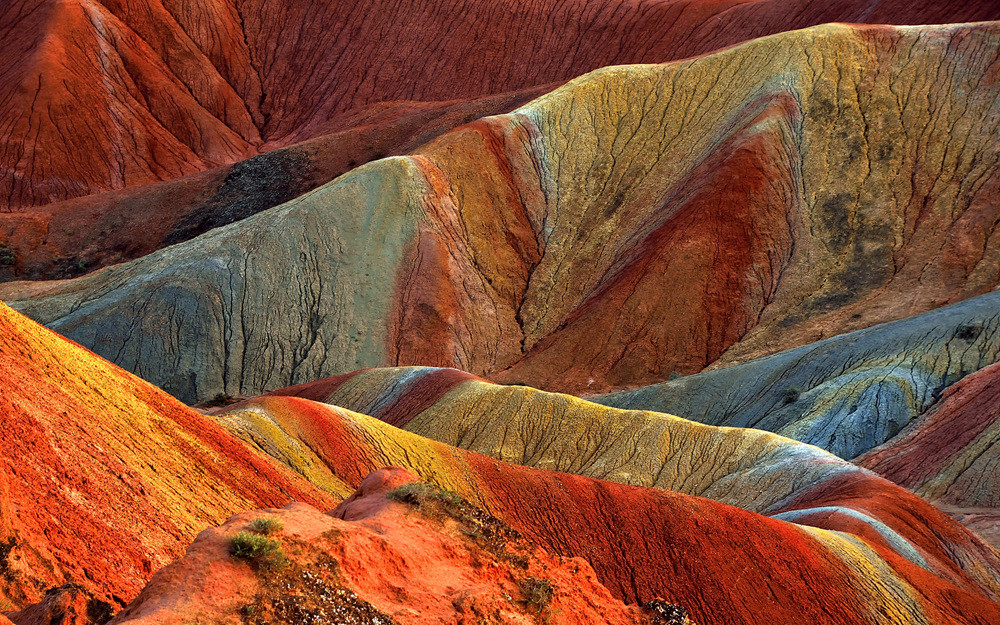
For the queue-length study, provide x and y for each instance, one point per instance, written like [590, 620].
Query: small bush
[792, 395]
[266, 525]
[537, 593]
[420, 493]
[258, 550]
[7, 256]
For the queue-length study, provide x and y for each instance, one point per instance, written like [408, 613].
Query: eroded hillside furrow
[155, 89]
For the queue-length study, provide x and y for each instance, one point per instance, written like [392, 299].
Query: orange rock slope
[379, 561]
[103, 478]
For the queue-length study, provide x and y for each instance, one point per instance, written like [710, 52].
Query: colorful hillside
[72, 237]
[427, 560]
[155, 89]
[859, 547]
[759, 198]
[104, 478]
[950, 455]
[846, 394]
[562, 312]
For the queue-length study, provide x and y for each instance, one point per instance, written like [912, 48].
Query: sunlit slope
[104, 95]
[639, 221]
[105, 478]
[868, 550]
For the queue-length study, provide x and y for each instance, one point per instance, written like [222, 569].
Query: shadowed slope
[150, 90]
[847, 394]
[888, 553]
[104, 478]
[639, 221]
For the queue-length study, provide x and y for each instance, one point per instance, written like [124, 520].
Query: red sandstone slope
[105, 478]
[150, 90]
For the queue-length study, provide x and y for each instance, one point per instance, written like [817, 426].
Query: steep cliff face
[636, 222]
[151, 90]
[103, 478]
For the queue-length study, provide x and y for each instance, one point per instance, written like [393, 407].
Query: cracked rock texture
[104, 478]
[150, 90]
[844, 546]
[847, 394]
[637, 222]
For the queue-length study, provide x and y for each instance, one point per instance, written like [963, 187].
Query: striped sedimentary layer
[153, 89]
[846, 394]
[842, 546]
[636, 222]
[103, 478]
[950, 455]
[73, 237]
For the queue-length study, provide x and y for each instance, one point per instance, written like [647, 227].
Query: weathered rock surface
[69, 604]
[639, 221]
[150, 90]
[951, 455]
[104, 478]
[72, 237]
[847, 394]
[859, 548]
[386, 563]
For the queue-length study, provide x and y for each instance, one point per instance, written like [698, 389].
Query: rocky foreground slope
[630, 533]
[637, 222]
[390, 554]
[839, 545]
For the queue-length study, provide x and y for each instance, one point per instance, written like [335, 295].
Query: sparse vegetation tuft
[258, 550]
[536, 593]
[792, 394]
[421, 493]
[266, 525]
[664, 613]
[7, 256]
[487, 531]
